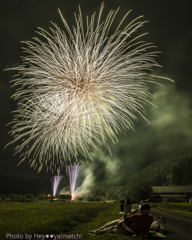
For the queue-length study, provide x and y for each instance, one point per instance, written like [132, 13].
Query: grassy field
[56, 218]
[176, 207]
[65, 218]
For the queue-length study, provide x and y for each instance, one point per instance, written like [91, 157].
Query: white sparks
[55, 181]
[73, 171]
[78, 88]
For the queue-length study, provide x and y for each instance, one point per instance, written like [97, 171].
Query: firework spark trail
[73, 171]
[79, 88]
[55, 181]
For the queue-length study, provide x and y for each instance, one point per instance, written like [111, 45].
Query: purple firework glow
[73, 171]
[55, 181]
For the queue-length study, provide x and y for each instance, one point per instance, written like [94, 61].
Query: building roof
[175, 196]
[171, 189]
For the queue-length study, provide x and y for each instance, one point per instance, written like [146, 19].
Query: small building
[172, 193]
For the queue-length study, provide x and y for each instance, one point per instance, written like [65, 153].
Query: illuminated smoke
[80, 87]
[73, 171]
[55, 181]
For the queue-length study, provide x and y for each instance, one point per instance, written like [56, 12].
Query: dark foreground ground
[77, 217]
[177, 227]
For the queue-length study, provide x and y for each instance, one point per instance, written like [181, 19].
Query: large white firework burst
[78, 87]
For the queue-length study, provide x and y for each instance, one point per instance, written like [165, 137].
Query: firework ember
[73, 171]
[80, 87]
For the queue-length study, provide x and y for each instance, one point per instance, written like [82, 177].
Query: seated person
[122, 205]
[139, 222]
[127, 206]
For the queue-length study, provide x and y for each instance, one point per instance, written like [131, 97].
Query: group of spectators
[126, 206]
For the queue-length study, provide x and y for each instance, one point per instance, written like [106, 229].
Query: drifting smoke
[79, 89]
[87, 184]
[171, 122]
[167, 136]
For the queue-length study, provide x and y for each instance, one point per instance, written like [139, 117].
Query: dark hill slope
[175, 171]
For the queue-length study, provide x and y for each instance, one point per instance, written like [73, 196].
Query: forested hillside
[175, 171]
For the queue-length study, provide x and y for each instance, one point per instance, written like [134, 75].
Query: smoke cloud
[87, 184]
[167, 135]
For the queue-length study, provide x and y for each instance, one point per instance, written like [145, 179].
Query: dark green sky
[169, 131]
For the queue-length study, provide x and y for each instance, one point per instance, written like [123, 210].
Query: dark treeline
[31, 197]
[168, 172]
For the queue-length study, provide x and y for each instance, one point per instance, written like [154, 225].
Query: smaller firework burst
[73, 171]
[55, 181]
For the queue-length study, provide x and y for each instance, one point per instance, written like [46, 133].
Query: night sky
[169, 133]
